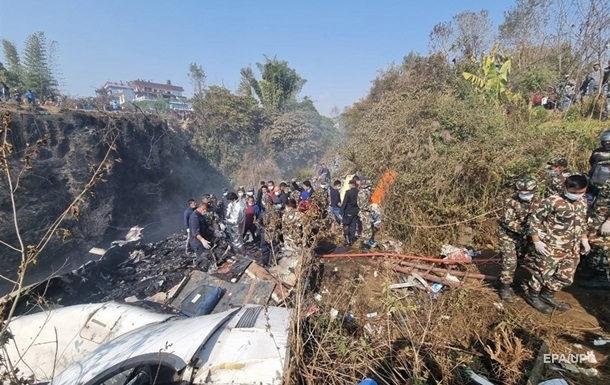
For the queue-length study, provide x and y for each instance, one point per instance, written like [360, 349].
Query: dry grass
[413, 339]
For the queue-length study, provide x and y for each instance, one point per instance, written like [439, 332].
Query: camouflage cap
[526, 183]
[365, 183]
[557, 161]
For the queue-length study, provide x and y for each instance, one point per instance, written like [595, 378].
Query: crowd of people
[595, 83]
[550, 233]
[279, 216]
[17, 96]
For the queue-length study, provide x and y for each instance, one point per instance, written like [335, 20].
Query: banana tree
[492, 77]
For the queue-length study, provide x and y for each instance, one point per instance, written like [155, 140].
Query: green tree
[197, 77]
[37, 73]
[278, 86]
[13, 64]
[492, 79]
[229, 125]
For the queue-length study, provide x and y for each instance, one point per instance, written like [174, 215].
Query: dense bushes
[456, 155]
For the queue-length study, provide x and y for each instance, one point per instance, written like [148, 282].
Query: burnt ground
[357, 327]
[389, 334]
[152, 172]
[134, 271]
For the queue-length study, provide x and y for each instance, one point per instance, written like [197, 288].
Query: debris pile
[130, 271]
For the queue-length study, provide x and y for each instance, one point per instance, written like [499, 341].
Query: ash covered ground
[133, 271]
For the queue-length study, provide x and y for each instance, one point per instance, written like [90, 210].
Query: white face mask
[323, 186]
[277, 193]
[526, 196]
[224, 194]
[250, 193]
[240, 194]
[573, 197]
[270, 187]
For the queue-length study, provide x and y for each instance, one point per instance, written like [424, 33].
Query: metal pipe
[452, 272]
[412, 257]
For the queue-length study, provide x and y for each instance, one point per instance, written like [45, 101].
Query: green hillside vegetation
[457, 153]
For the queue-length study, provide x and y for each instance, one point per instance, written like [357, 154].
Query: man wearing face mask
[558, 227]
[241, 194]
[512, 233]
[279, 197]
[557, 168]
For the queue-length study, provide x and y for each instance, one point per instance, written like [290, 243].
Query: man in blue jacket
[192, 205]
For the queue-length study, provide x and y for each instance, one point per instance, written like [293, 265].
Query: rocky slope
[152, 172]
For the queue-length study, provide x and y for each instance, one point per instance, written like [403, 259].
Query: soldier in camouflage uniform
[558, 170]
[512, 232]
[292, 229]
[558, 227]
[367, 230]
[595, 270]
[321, 201]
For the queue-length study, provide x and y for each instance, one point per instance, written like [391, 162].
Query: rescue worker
[513, 239]
[349, 213]
[198, 231]
[192, 205]
[335, 200]
[292, 226]
[321, 200]
[234, 221]
[267, 235]
[558, 229]
[599, 163]
[366, 214]
[594, 270]
[557, 168]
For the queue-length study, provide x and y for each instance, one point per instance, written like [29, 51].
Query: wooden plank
[280, 293]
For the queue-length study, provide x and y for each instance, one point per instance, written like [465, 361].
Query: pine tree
[56, 73]
[37, 73]
[13, 64]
